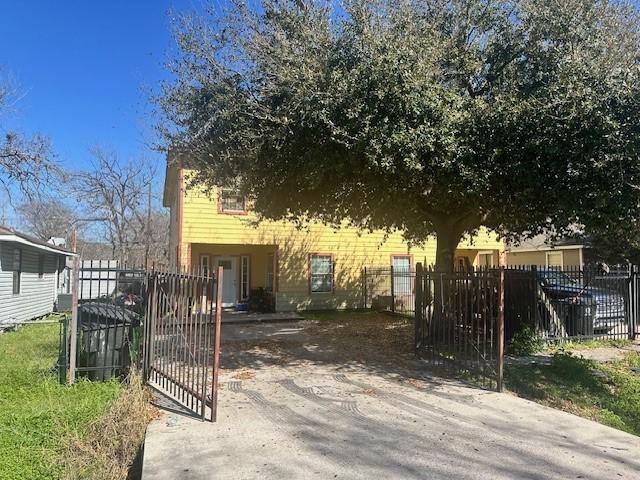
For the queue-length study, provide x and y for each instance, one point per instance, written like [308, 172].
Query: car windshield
[555, 277]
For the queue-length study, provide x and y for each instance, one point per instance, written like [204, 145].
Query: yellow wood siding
[206, 231]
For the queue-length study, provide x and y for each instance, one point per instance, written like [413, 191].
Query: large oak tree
[426, 116]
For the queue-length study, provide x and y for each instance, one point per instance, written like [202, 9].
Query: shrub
[525, 342]
[261, 300]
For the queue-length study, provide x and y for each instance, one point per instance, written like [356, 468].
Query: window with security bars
[321, 277]
[231, 201]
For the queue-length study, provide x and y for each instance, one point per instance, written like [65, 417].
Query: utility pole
[148, 235]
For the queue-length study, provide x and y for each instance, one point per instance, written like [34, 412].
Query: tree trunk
[442, 326]
[447, 240]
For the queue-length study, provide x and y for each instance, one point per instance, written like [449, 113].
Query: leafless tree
[120, 194]
[46, 218]
[26, 163]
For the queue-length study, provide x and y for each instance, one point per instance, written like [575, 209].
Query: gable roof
[11, 235]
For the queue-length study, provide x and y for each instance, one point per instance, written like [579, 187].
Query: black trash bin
[578, 317]
[104, 332]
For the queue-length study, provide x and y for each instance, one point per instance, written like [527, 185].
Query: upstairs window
[231, 201]
[321, 273]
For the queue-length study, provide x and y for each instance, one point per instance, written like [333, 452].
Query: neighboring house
[539, 251]
[316, 267]
[31, 275]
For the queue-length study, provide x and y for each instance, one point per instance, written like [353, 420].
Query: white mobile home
[31, 273]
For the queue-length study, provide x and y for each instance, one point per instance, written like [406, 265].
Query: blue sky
[84, 70]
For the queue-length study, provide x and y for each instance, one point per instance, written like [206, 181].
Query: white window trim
[231, 211]
[331, 290]
[551, 253]
[208, 263]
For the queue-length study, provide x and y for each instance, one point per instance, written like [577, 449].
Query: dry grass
[245, 375]
[112, 442]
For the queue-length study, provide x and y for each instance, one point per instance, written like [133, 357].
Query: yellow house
[314, 267]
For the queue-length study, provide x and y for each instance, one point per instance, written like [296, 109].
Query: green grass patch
[589, 344]
[38, 415]
[607, 393]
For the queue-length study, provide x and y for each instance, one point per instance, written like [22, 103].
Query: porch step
[256, 317]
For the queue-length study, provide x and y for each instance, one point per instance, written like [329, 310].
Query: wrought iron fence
[182, 337]
[464, 318]
[169, 322]
[573, 303]
[458, 321]
[389, 289]
[108, 318]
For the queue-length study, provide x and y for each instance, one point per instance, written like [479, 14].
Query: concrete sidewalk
[335, 422]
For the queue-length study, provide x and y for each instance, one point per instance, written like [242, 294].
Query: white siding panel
[37, 295]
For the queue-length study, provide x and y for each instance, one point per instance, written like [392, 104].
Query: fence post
[216, 345]
[147, 338]
[418, 316]
[533, 309]
[500, 371]
[633, 301]
[393, 296]
[73, 333]
[364, 286]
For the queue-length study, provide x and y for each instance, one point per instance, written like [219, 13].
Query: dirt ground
[374, 342]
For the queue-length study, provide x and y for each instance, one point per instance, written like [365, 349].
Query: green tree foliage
[426, 116]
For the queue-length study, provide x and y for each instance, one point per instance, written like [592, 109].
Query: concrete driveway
[345, 399]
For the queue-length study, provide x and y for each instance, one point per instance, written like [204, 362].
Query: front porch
[246, 268]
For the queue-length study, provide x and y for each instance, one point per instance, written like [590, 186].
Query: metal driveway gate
[459, 320]
[182, 337]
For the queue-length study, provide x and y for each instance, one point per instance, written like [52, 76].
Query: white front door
[229, 280]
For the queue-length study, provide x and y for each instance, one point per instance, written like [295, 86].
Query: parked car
[588, 307]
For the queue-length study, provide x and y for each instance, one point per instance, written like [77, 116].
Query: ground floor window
[204, 264]
[555, 260]
[321, 273]
[485, 259]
